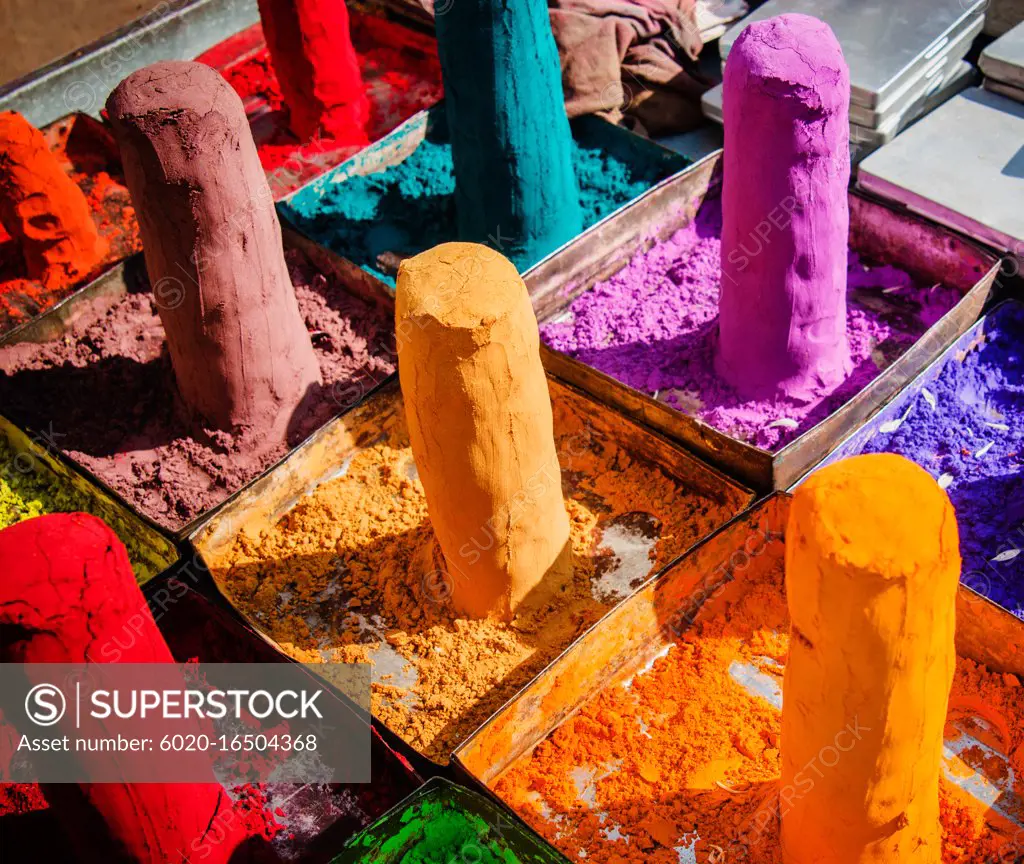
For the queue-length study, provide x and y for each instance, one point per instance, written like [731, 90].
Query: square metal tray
[620, 647]
[316, 157]
[325, 455]
[92, 301]
[961, 166]
[1003, 60]
[884, 44]
[881, 232]
[81, 80]
[404, 140]
[317, 817]
[493, 822]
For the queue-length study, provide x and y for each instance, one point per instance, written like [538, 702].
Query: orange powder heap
[872, 569]
[686, 758]
[43, 209]
[340, 577]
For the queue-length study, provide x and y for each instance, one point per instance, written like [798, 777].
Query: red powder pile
[317, 67]
[401, 75]
[86, 156]
[68, 590]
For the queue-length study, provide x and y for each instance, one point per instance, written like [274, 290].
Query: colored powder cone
[785, 215]
[872, 569]
[68, 595]
[242, 357]
[481, 428]
[317, 68]
[43, 209]
[514, 184]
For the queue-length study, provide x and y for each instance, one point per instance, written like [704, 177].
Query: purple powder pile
[652, 326]
[966, 428]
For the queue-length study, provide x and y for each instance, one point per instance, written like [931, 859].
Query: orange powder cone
[480, 425]
[872, 569]
[43, 209]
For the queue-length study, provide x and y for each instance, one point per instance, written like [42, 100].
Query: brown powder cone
[242, 357]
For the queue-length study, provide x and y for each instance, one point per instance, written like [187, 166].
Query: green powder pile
[436, 830]
[28, 488]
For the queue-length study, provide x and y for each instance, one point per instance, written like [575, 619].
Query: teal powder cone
[514, 184]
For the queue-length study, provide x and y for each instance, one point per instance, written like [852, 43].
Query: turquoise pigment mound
[511, 143]
[410, 207]
[442, 824]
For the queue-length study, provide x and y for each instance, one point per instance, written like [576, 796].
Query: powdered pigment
[652, 327]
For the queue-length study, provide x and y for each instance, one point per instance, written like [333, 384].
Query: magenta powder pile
[653, 327]
[754, 318]
[107, 391]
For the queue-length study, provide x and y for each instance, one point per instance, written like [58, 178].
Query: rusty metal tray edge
[82, 79]
[401, 141]
[94, 298]
[760, 469]
[161, 551]
[273, 493]
[526, 720]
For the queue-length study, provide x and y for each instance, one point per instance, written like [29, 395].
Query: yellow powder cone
[480, 424]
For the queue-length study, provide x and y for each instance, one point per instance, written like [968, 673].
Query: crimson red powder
[67, 591]
[401, 75]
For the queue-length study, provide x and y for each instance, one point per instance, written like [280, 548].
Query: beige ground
[38, 31]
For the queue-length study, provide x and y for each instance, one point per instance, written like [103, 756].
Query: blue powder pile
[410, 207]
[966, 428]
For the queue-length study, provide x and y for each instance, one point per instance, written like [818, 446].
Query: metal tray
[907, 101]
[928, 252]
[958, 78]
[982, 622]
[1003, 60]
[494, 823]
[917, 99]
[960, 166]
[267, 501]
[82, 80]
[317, 817]
[885, 45]
[153, 552]
[184, 30]
[618, 647]
[92, 301]
[1007, 90]
[403, 141]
